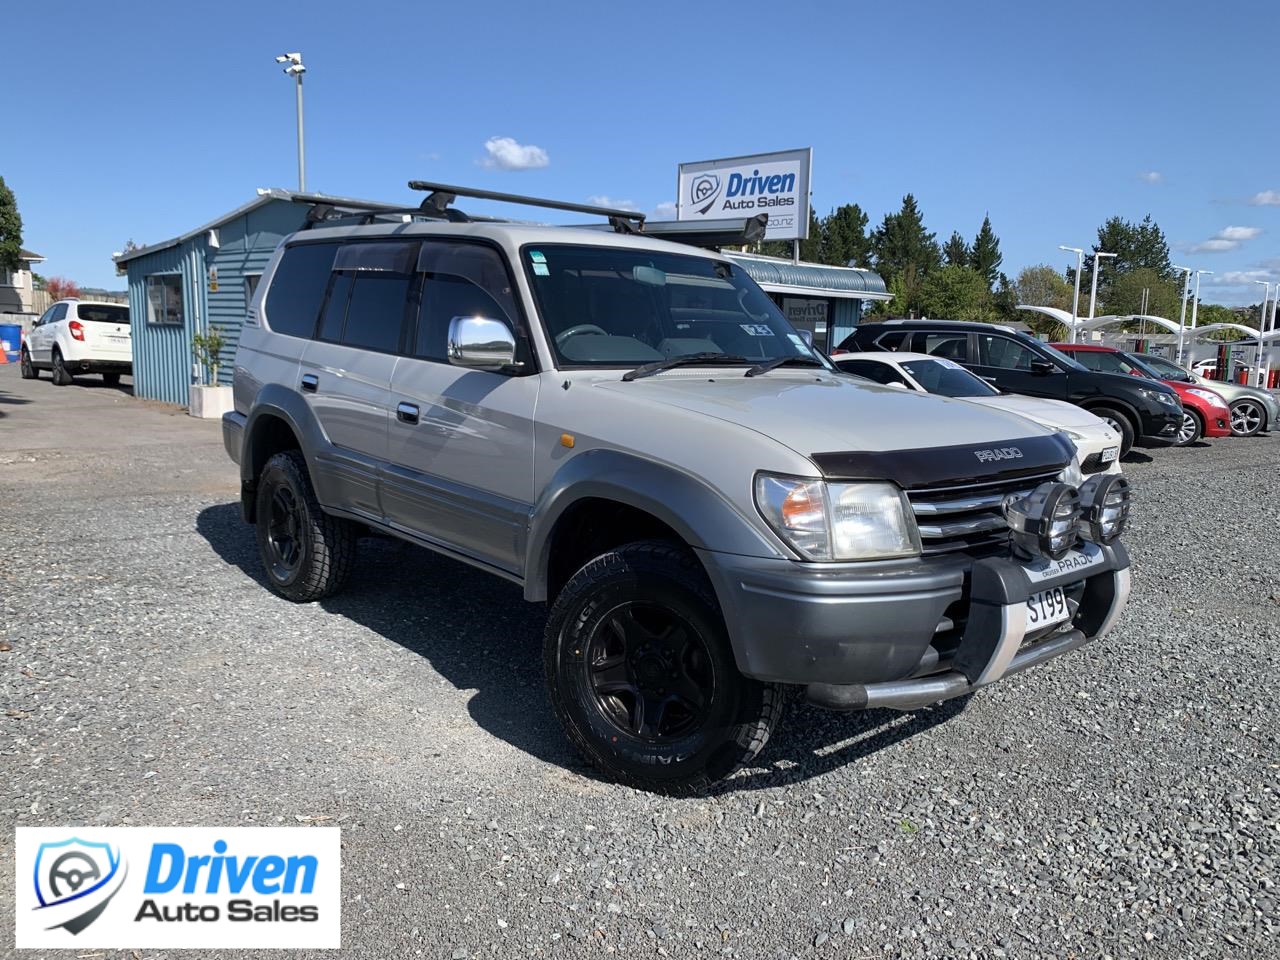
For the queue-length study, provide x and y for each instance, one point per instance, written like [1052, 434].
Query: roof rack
[710, 233]
[442, 195]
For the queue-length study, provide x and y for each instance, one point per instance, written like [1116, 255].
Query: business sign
[236, 888]
[772, 183]
[806, 312]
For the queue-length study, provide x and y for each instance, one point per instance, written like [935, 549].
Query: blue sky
[143, 120]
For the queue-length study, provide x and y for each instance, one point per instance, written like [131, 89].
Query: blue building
[204, 278]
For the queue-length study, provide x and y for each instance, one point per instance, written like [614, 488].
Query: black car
[1017, 363]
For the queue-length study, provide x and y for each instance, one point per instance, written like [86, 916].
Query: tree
[844, 237]
[955, 251]
[130, 246]
[957, 293]
[60, 288]
[903, 248]
[985, 256]
[1042, 286]
[10, 230]
[1136, 246]
[1124, 294]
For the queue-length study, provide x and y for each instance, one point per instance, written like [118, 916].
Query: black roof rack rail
[713, 234]
[441, 196]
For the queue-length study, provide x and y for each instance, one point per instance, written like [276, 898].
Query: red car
[1204, 413]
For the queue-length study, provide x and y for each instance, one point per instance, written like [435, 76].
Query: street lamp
[1093, 289]
[295, 69]
[1195, 301]
[1182, 317]
[1075, 301]
[1262, 324]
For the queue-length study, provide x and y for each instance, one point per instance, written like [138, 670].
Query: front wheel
[1118, 422]
[307, 554]
[1246, 418]
[1190, 430]
[26, 368]
[642, 677]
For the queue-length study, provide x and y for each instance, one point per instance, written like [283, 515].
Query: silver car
[1253, 410]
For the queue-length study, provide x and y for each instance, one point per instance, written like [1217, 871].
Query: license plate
[1110, 454]
[1047, 608]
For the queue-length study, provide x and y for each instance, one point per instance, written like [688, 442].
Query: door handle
[407, 412]
[310, 382]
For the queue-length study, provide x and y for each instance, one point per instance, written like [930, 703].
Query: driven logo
[998, 453]
[704, 190]
[74, 881]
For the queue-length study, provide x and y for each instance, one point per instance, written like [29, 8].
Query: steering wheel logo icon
[75, 880]
[73, 876]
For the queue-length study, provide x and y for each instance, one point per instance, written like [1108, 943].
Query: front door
[1008, 363]
[460, 447]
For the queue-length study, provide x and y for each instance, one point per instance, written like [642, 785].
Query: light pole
[295, 69]
[1182, 317]
[1195, 301]
[1262, 325]
[1093, 288]
[1075, 301]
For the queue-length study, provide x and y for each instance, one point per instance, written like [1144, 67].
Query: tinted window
[44, 317]
[948, 379]
[59, 313]
[297, 289]
[335, 310]
[375, 314]
[879, 372]
[949, 346]
[1004, 352]
[103, 313]
[894, 341]
[459, 280]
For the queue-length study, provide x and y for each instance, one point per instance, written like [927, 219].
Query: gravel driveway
[1119, 802]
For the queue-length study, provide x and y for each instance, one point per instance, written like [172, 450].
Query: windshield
[1068, 362]
[1160, 368]
[948, 379]
[614, 307]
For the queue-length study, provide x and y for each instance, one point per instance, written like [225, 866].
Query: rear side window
[59, 313]
[297, 288]
[949, 346]
[895, 341]
[103, 313]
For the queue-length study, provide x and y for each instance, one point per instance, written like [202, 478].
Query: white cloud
[1228, 238]
[1236, 278]
[1151, 176]
[1267, 198]
[504, 153]
[665, 211]
[601, 200]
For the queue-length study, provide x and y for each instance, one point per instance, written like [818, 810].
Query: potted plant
[209, 400]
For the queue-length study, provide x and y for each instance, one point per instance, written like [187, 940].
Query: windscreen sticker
[757, 329]
[540, 269]
[537, 256]
[949, 364]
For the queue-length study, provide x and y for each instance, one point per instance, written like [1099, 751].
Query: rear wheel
[1118, 422]
[1246, 417]
[25, 367]
[642, 677]
[1190, 430]
[111, 379]
[307, 554]
[61, 375]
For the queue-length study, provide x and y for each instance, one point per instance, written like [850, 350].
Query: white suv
[79, 336]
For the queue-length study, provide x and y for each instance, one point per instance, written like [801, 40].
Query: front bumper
[1161, 424]
[905, 634]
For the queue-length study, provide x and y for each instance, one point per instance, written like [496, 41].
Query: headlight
[1159, 396]
[1045, 522]
[838, 521]
[1212, 399]
[1073, 475]
[1104, 508]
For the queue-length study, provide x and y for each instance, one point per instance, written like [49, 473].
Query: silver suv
[630, 429]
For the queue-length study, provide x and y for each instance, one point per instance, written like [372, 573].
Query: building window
[164, 299]
[10, 278]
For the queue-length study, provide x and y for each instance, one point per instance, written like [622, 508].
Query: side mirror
[480, 343]
[1042, 367]
[898, 386]
[807, 337]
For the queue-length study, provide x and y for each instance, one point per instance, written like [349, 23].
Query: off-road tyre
[652, 580]
[325, 545]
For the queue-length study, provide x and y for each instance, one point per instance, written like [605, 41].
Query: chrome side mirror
[480, 343]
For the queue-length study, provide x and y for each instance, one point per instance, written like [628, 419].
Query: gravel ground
[1121, 801]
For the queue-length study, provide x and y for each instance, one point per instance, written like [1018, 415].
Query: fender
[703, 518]
[1123, 406]
[276, 400]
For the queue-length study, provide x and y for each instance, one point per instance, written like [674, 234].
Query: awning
[778, 275]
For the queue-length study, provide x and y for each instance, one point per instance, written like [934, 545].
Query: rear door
[345, 373]
[1007, 362]
[107, 334]
[461, 440]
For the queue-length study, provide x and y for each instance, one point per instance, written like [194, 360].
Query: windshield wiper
[776, 362]
[649, 369]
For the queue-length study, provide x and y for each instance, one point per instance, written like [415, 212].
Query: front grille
[967, 516]
[1093, 464]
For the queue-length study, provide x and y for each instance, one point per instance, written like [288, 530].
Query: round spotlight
[1104, 507]
[1046, 521]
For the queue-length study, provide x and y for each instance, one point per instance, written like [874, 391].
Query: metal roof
[264, 197]
[783, 276]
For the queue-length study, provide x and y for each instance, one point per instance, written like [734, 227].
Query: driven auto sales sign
[206, 887]
[772, 183]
